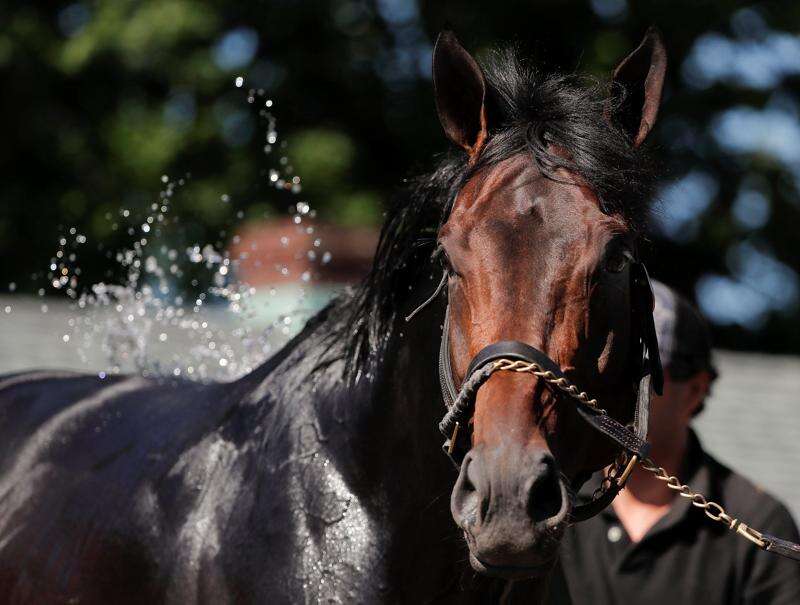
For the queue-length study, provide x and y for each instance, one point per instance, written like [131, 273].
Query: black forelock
[528, 111]
[532, 111]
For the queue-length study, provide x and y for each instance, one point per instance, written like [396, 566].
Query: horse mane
[528, 112]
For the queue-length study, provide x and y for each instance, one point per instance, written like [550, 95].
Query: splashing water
[150, 325]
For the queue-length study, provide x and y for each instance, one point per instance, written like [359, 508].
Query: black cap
[684, 339]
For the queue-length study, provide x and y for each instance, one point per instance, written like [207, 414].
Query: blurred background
[249, 115]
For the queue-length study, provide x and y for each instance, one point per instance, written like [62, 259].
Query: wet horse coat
[317, 477]
[264, 490]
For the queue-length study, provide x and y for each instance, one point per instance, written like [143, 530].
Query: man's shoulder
[747, 500]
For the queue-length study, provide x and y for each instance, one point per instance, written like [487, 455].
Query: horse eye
[617, 261]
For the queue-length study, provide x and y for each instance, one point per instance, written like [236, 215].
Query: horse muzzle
[513, 507]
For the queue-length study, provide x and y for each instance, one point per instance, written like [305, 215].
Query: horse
[318, 476]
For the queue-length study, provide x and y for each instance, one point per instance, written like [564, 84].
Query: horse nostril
[479, 487]
[545, 499]
[470, 475]
[467, 505]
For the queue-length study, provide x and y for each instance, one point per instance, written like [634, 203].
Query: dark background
[98, 100]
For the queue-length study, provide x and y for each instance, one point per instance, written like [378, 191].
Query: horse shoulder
[102, 483]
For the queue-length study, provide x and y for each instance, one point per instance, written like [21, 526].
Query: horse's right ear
[460, 90]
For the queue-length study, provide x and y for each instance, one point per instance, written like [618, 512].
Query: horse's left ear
[636, 87]
[460, 90]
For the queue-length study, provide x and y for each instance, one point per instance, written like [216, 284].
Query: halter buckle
[623, 478]
[452, 445]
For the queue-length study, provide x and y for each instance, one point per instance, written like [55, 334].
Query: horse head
[538, 248]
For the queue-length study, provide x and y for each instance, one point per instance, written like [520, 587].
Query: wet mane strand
[528, 112]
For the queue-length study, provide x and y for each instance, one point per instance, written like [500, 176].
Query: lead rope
[619, 472]
[451, 423]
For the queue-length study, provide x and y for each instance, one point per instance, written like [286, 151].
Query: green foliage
[141, 34]
[324, 158]
[140, 143]
[99, 99]
[357, 208]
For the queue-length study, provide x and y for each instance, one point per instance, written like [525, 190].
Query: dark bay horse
[319, 476]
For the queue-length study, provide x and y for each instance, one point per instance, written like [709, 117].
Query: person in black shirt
[652, 546]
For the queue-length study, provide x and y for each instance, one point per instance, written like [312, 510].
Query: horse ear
[636, 88]
[460, 90]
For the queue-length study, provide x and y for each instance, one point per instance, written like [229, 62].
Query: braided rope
[712, 510]
[464, 400]
[559, 382]
[467, 392]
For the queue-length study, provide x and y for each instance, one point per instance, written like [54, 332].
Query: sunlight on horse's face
[533, 260]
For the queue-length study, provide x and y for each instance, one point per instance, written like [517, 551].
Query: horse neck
[380, 436]
[381, 426]
[391, 435]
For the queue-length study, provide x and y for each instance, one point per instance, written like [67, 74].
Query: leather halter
[632, 440]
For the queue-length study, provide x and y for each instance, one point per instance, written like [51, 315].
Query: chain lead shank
[619, 472]
[712, 510]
